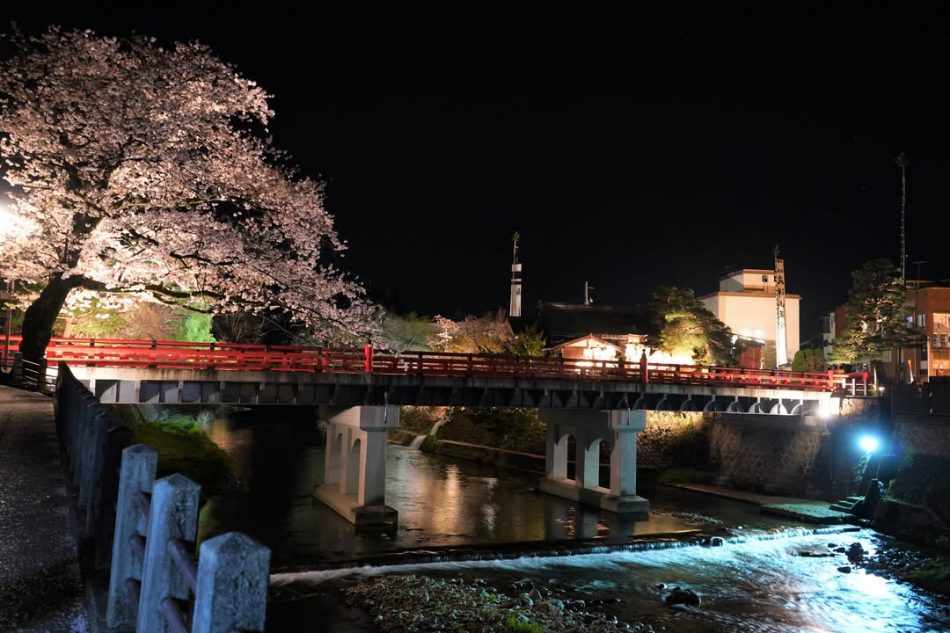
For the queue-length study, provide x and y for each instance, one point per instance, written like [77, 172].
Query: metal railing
[144, 531]
[856, 384]
[291, 358]
[37, 376]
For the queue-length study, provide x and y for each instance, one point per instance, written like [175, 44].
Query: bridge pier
[354, 481]
[618, 428]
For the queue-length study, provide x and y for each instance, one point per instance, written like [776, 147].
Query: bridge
[146, 371]
[359, 392]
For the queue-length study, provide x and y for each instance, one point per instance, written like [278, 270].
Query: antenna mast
[902, 162]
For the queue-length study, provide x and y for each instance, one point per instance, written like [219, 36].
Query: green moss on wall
[182, 446]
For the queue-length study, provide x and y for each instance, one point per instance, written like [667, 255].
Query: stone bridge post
[354, 483]
[618, 429]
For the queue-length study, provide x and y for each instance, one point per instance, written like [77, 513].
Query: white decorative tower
[514, 307]
[781, 342]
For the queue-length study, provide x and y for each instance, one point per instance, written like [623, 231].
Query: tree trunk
[41, 315]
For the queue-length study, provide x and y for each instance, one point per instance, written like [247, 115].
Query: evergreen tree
[684, 326]
[875, 315]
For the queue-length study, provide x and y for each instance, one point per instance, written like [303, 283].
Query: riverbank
[469, 520]
[796, 579]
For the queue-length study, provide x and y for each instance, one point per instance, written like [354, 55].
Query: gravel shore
[421, 604]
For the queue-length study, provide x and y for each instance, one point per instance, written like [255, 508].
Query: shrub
[517, 625]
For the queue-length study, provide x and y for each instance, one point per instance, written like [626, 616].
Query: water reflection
[755, 586]
[441, 501]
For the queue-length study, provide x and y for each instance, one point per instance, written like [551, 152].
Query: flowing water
[754, 583]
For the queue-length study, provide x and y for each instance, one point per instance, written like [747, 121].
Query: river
[753, 583]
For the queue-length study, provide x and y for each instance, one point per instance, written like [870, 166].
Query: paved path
[749, 497]
[809, 510]
[40, 584]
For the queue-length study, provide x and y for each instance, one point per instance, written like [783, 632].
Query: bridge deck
[227, 372]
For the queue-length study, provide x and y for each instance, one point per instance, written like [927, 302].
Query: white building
[746, 303]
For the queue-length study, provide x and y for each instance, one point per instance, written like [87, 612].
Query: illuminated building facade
[931, 312]
[600, 333]
[746, 303]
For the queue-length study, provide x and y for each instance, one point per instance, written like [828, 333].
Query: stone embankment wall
[922, 435]
[917, 502]
[762, 454]
[671, 439]
[788, 455]
[805, 456]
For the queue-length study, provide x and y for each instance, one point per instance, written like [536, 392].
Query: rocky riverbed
[421, 604]
[924, 568]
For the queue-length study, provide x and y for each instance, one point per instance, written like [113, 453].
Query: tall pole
[8, 324]
[902, 162]
[781, 340]
[514, 305]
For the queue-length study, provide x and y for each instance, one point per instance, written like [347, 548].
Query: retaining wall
[801, 456]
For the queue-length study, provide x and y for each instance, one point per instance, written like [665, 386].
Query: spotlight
[868, 443]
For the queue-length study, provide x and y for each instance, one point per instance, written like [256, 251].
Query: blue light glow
[868, 443]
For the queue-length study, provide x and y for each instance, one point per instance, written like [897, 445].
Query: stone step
[840, 507]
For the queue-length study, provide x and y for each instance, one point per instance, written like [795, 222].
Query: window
[941, 322]
[921, 320]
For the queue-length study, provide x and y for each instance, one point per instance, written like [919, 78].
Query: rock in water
[683, 596]
[845, 569]
[716, 541]
[815, 553]
[855, 552]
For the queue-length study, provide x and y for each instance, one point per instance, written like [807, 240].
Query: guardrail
[144, 531]
[293, 358]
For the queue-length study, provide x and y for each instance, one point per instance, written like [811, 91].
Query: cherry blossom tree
[143, 169]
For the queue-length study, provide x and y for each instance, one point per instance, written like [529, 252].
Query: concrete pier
[618, 429]
[354, 482]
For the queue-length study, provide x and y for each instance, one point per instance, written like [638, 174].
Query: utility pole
[781, 342]
[8, 325]
[902, 162]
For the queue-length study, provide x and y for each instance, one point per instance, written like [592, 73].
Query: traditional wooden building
[601, 333]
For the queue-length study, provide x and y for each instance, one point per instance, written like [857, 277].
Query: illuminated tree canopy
[137, 168]
[686, 327]
[875, 315]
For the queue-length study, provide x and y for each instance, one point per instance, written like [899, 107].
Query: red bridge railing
[292, 358]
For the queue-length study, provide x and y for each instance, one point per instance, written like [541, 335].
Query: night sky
[631, 150]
